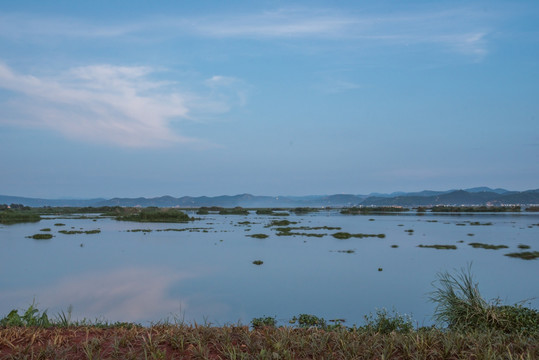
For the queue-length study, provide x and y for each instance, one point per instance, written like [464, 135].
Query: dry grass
[239, 342]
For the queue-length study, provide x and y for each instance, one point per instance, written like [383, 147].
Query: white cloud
[117, 105]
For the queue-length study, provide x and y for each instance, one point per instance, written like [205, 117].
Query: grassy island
[153, 214]
[18, 216]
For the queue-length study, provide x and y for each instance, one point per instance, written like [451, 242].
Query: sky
[138, 98]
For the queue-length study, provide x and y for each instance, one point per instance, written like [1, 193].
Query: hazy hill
[473, 196]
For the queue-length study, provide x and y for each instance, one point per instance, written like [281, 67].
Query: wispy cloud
[463, 30]
[118, 105]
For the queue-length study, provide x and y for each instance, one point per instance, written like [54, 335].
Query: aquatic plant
[258, 236]
[10, 216]
[373, 210]
[487, 246]
[235, 211]
[41, 236]
[523, 247]
[152, 214]
[258, 262]
[525, 255]
[345, 235]
[439, 247]
[45, 229]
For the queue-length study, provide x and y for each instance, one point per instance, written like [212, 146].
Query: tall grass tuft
[460, 306]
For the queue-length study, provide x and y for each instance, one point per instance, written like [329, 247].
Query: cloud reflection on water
[126, 294]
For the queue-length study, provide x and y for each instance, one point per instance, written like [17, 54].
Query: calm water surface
[206, 274]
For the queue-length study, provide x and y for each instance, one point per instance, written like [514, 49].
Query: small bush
[384, 323]
[308, 321]
[266, 321]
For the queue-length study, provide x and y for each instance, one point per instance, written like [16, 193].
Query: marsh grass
[258, 236]
[525, 255]
[152, 214]
[40, 236]
[460, 306]
[438, 247]
[345, 235]
[9, 216]
[487, 246]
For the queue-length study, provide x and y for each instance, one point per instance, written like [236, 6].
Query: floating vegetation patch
[409, 231]
[281, 223]
[373, 210]
[432, 221]
[264, 212]
[258, 236]
[74, 232]
[476, 223]
[439, 247]
[475, 209]
[525, 255]
[287, 231]
[350, 251]
[522, 246]
[140, 230]
[9, 216]
[487, 246]
[244, 223]
[235, 211]
[394, 246]
[470, 234]
[193, 229]
[345, 235]
[203, 212]
[258, 262]
[40, 236]
[59, 224]
[460, 224]
[304, 210]
[153, 214]
[45, 229]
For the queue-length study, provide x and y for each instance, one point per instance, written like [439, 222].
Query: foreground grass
[474, 329]
[240, 342]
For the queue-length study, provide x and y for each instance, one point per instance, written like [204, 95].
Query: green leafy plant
[384, 323]
[265, 321]
[308, 321]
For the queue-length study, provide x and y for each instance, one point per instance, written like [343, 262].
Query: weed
[258, 262]
[523, 247]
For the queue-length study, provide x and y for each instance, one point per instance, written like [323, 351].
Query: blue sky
[138, 98]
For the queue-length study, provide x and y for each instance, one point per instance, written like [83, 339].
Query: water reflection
[127, 294]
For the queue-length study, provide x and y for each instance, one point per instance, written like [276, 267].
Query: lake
[204, 270]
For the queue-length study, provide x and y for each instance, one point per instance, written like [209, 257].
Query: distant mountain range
[473, 196]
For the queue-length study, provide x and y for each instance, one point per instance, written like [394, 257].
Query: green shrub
[265, 321]
[307, 321]
[385, 323]
[31, 317]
